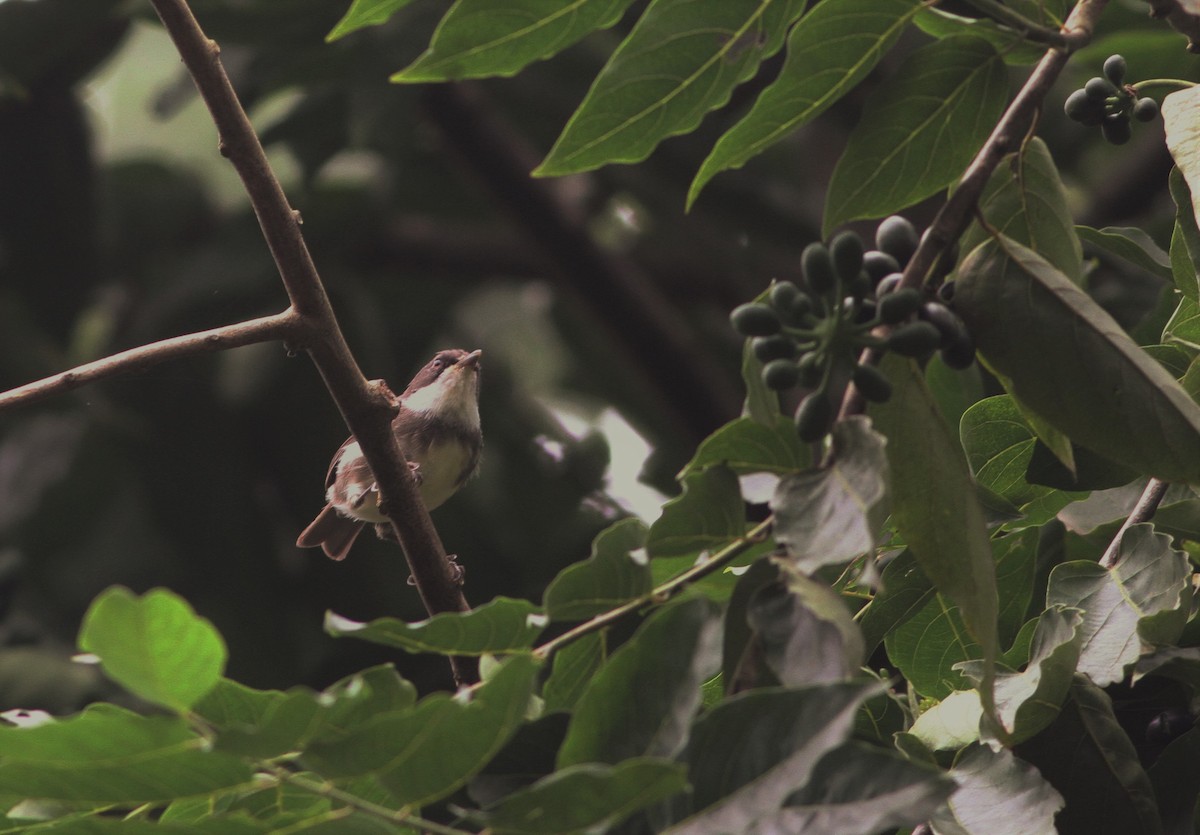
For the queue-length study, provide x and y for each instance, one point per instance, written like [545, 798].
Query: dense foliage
[921, 610]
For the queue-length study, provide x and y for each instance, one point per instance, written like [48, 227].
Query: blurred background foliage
[601, 308]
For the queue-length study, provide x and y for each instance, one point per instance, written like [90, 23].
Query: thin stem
[375, 810]
[282, 326]
[1172, 83]
[1027, 28]
[660, 594]
[1143, 511]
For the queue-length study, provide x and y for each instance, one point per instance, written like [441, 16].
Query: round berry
[1099, 88]
[813, 416]
[846, 250]
[878, 264]
[784, 295]
[1114, 69]
[817, 265]
[898, 305]
[1116, 128]
[780, 374]
[1083, 108]
[1146, 110]
[915, 339]
[778, 346]
[942, 318]
[887, 284]
[872, 383]
[959, 352]
[755, 319]
[897, 237]
[811, 370]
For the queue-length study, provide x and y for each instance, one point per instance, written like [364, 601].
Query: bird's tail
[332, 531]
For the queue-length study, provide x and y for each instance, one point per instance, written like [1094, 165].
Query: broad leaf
[1123, 404]
[480, 38]
[364, 13]
[585, 798]
[832, 515]
[1144, 599]
[998, 794]
[1129, 244]
[1181, 112]
[1012, 45]
[1185, 239]
[501, 625]
[572, 671]
[611, 576]
[904, 590]
[155, 646]
[928, 647]
[107, 754]
[829, 51]
[919, 130]
[681, 60]
[642, 701]
[746, 446]
[708, 515]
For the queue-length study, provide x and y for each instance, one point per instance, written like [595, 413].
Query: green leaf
[1184, 326]
[363, 13]
[859, 789]
[746, 446]
[1013, 47]
[935, 508]
[423, 753]
[586, 798]
[762, 404]
[708, 515]
[998, 794]
[950, 724]
[363, 695]
[1176, 779]
[750, 753]
[919, 130]
[611, 576]
[999, 445]
[1026, 201]
[480, 38]
[831, 515]
[806, 632]
[904, 591]
[928, 647]
[642, 701]
[110, 755]
[1088, 758]
[1123, 404]
[1130, 244]
[498, 626]
[155, 646]
[1144, 599]
[681, 60]
[1185, 239]
[574, 666]
[1180, 112]
[829, 52]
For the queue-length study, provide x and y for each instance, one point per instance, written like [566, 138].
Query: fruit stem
[1174, 83]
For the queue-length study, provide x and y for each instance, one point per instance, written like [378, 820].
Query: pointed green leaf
[708, 515]
[500, 625]
[999, 445]
[107, 754]
[1123, 404]
[574, 666]
[829, 52]
[1183, 328]
[1185, 239]
[935, 508]
[425, 752]
[642, 701]
[1144, 599]
[1026, 201]
[750, 753]
[480, 38]
[155, 646]
[1012, 45]
[904, 591]
[1129, 244]
[586, 798]
[998, 794]
[832, 515]
[681, 60]
[928, 647]
[919, 130]
[746, 446]
[364, 13]
[611, 576]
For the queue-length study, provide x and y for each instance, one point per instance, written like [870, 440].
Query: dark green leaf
[500, 625]
[1013, 47]
[1144, 598]
[480, 38]
[1090, 761]
[611, 576]
[365, 13]
[919, 130]
[425, 752]
[750, 753]
[829, 51]
[1129, 244]
[1025, 200]
[155, 646]
[681, 60]
[586, 798]
[832, 515]
[642, 701]
[1185, 239]
[746, 446]
[903, 591]
[107, 754]
[998, 794]
[1123, 404]
[708, 515]
[364, 695]
[574, 666]
[1092, 471]
[929, 645]
[1183, 328]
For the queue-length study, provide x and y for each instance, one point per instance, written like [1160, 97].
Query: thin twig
[1143, 511]
[366, 407]
[1028, 29]
[280, 326]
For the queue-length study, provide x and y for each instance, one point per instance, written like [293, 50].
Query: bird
[439, 432]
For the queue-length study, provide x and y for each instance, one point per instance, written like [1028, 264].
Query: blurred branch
[1143, 511]
[281, 326]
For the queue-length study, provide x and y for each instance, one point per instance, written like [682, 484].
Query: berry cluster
[1111, 103]
[811, 335]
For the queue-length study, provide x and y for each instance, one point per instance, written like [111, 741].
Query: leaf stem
[1173, 83]
[1143, 511]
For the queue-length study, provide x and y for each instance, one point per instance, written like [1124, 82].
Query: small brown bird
[438, 431]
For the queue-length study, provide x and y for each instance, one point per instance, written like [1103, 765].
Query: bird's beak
[471, 360]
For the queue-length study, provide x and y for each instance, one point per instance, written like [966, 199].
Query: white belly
[441, 466]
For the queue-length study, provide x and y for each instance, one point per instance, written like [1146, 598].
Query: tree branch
[281, 326]
[366, 407]
[1143, 511]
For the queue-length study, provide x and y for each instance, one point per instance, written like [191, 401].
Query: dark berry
[898, 305]
[755, 319]
[811, 370]
[1146, 110]
[942, 318]
[817, 265]
[866, 312]
[1114, 69]
[1084, 109]
[959, 352]
[846, 250]
[915, 339]
[784, 295]
[813, 416]
[1116, 128]
[1099, 88]
[878, 264]
[780, 374]
[897, 237]
[778, 346]
[872, 383]
[887, 284]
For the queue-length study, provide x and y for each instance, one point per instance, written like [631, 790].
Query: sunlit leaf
[998, 794]
[1129, 244]
[364, 13]
[500, 625]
